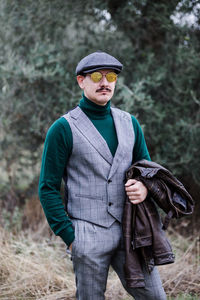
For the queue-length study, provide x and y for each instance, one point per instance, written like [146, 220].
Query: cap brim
[96, 68]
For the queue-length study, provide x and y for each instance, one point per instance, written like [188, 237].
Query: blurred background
[41, 42]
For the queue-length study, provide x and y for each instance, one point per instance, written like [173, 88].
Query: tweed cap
[97, 61]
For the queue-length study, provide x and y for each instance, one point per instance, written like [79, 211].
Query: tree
[44, 40]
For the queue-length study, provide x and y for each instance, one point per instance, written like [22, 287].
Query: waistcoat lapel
[86, 127]
[125, 135]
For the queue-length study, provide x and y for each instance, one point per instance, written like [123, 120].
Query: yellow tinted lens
[111, 76]
[96, 76]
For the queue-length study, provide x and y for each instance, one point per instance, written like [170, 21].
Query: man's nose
[104, 81]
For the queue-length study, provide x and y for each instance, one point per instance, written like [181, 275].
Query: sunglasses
[97, 76]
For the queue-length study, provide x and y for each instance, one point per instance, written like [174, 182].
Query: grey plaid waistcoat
[95, 180]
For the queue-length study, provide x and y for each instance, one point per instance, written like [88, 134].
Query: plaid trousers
[94, 249]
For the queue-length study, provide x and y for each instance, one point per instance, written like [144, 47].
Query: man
[91, 147]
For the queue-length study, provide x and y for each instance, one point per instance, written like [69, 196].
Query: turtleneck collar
[92, 109]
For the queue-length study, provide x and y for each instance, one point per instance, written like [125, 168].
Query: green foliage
[184, 297]
[44, 40]
[12, 221]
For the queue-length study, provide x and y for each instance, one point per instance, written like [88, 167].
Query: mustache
[103, 89]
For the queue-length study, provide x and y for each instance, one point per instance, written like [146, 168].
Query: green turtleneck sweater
[57, 149]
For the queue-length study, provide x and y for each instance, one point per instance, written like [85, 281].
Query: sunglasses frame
[102, 75]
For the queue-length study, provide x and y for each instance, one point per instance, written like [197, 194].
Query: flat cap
[96, 61]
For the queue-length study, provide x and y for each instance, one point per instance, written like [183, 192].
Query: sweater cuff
[67, 235]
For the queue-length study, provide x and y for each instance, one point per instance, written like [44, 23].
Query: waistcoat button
[110, 203]
[109, 180]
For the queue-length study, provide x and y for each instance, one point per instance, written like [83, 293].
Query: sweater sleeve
[57, 149]
[140, 150]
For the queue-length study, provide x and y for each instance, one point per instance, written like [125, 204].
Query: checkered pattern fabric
[94, 249]
[95, 180]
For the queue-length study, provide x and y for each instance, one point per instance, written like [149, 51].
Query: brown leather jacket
[145, 242]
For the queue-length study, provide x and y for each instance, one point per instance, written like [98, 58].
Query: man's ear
[80, 79]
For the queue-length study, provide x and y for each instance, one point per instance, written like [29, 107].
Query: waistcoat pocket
[89, 196]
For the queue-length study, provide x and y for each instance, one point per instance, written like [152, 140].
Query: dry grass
[35, 267]
[183, 277]
[32, 270]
